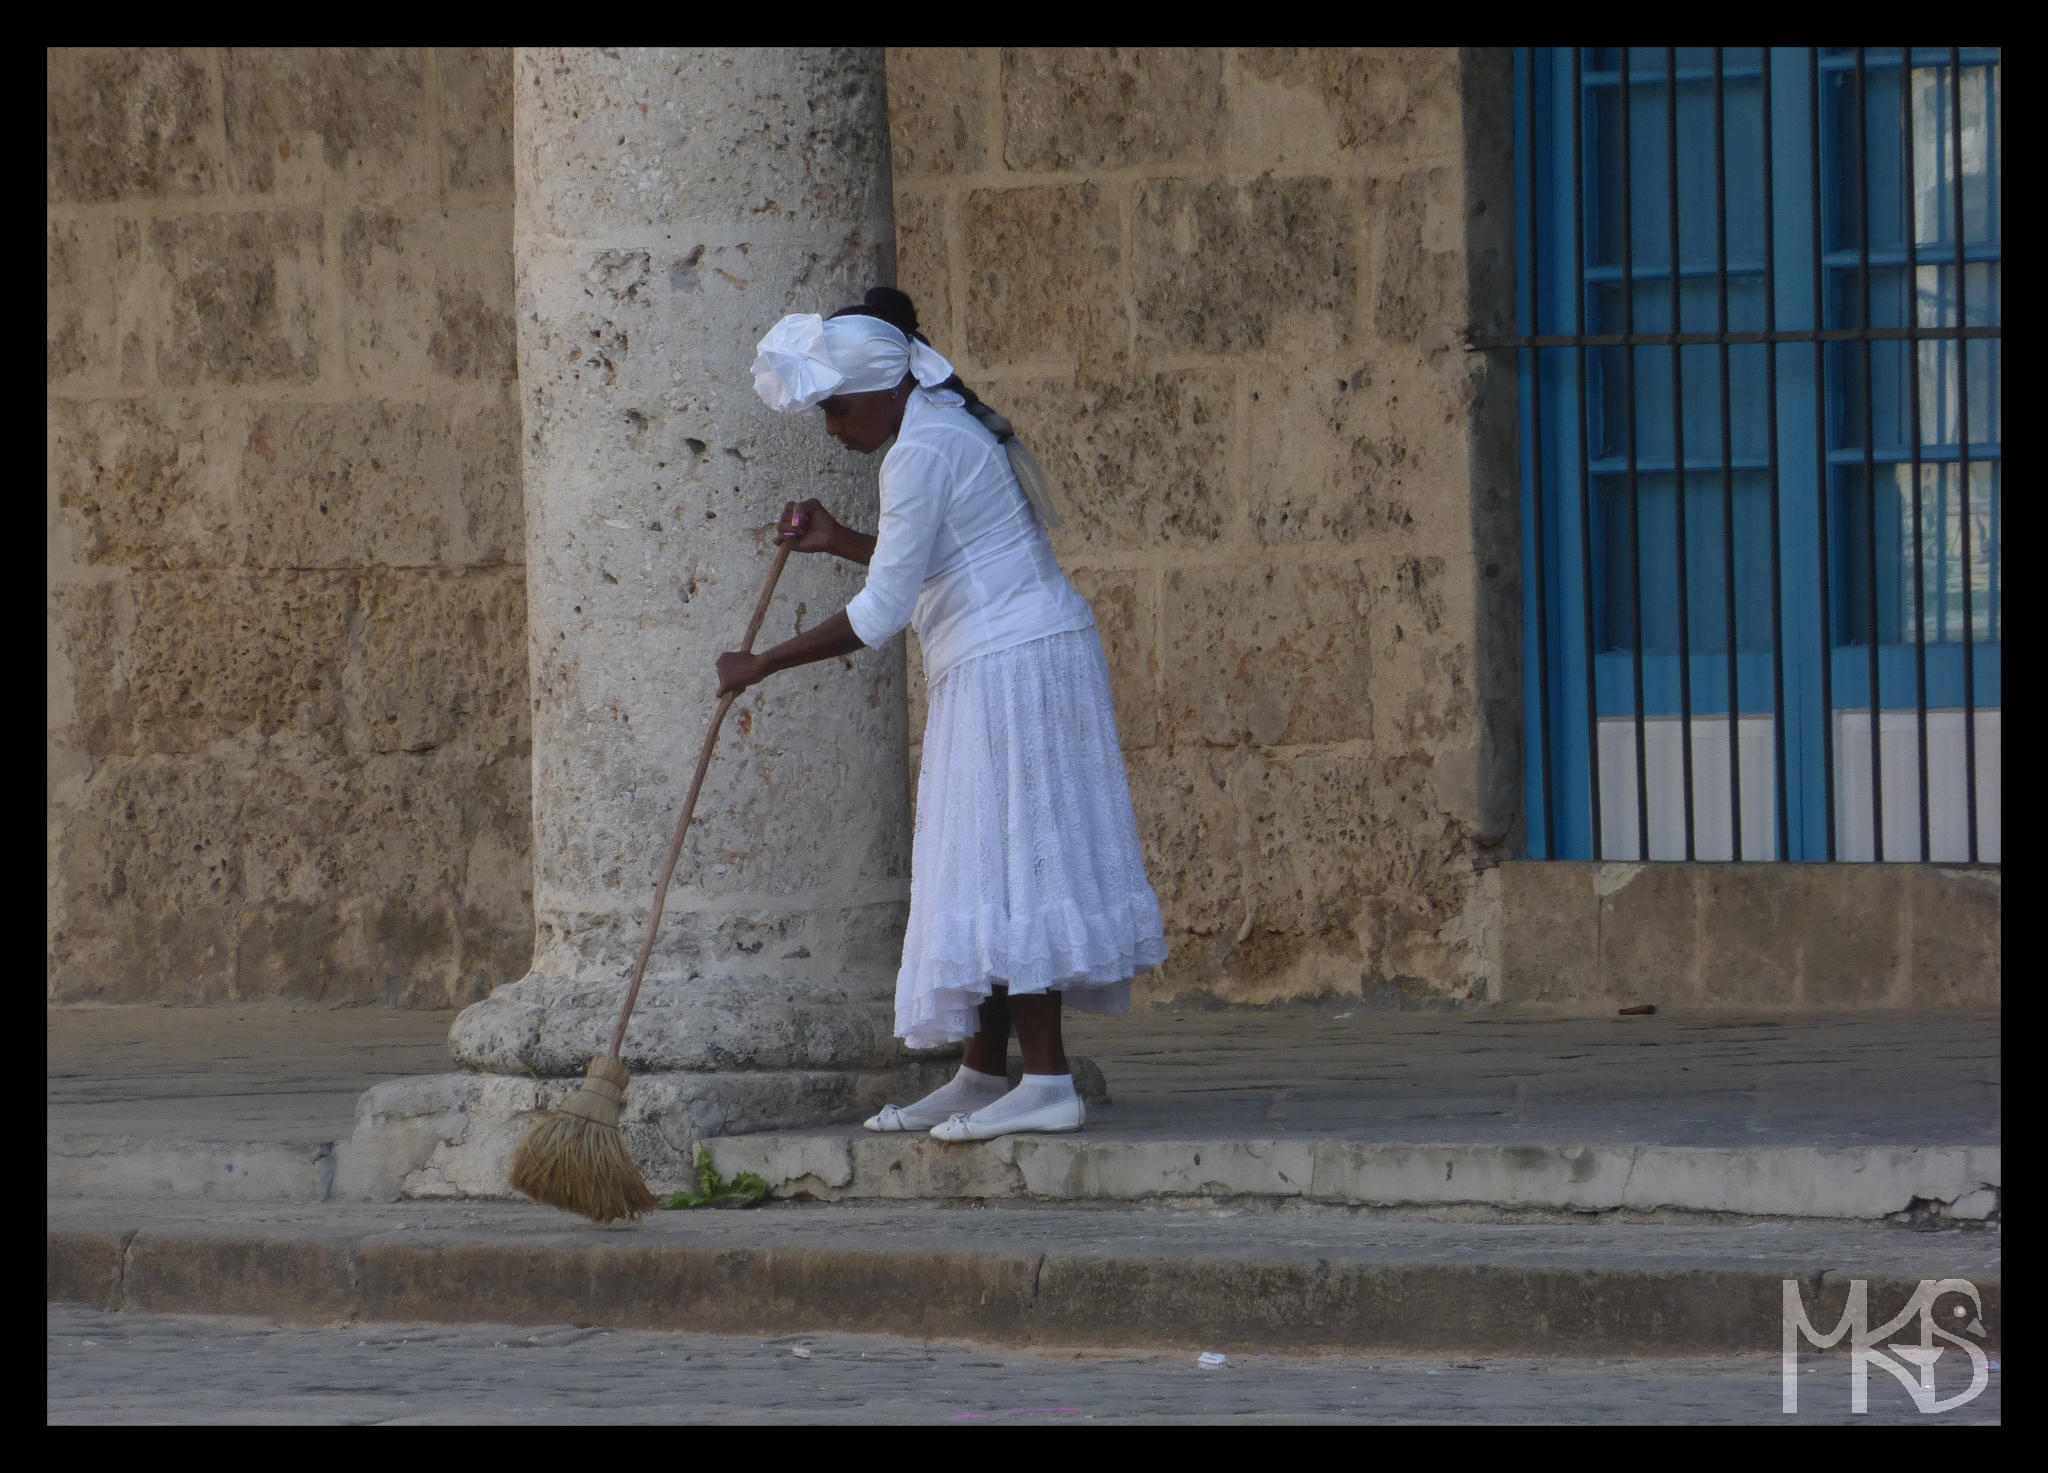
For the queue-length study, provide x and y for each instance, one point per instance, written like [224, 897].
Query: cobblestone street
[131, 1369]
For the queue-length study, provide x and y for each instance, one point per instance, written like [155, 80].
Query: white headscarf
[807, 358]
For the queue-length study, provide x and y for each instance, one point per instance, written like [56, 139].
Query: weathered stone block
[1550, 920]
[1042, 275]
[78, 313]
[128, 123]
[358, 113]
[1485, 75]
[173, 662]
[476, 115]
[1958, 935]
[1310, 864]
[1188, 825]
[1854, 944]
[443, 662]
[1364, 448]
[1124, 616]
[429, 295]
[1647, 942]
[1133, 464]
[145, 883]
[147, 483]
[1111, 106]
[1749, 932]
[1420, 641]
[486, 440]
[922, 269]
[1417, 223]
[218, 656]
[1223, 268]
[243, 297]
[494, 902]
[344, 485]
[939, 110]
[1268, 655]
[1430, 906]
[1393, 101]
[349, 878]
[87, 708]
[87, 263]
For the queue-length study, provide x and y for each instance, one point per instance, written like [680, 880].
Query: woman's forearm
[823, 641]
[855, 547]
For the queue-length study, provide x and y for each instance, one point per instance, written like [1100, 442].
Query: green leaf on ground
[713, 1190]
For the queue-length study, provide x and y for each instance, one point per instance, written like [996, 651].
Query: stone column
[671, 205]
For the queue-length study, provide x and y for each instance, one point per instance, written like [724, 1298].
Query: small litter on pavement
[1213, 1358]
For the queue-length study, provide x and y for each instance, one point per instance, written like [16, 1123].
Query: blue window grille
[1759, 294]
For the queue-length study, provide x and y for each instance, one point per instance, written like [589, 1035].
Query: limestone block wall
[288, 736]
[1225, 295]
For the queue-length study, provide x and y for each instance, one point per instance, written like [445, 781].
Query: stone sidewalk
[1860, 1116]
[1278, 1179]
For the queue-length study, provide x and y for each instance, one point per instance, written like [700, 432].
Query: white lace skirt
[1025, 869]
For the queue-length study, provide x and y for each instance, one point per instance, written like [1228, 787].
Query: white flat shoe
[893, 1118]
[1061, 1115]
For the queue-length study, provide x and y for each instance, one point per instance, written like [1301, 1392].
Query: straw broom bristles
[575, 1158]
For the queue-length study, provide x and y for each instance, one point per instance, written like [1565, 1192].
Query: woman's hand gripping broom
[575, 1158]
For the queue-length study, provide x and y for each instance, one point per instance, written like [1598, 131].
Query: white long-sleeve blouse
[959, 556]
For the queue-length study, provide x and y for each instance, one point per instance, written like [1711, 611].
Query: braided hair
[896, 309]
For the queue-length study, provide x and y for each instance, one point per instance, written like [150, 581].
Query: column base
[452, 1135]
[553, 1026]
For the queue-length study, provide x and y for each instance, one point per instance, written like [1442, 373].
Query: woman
[1027, 885]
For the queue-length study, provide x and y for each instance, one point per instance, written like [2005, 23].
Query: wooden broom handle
[675, 845]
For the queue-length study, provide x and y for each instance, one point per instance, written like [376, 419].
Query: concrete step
[1855, 1182]
[1286, 1279]
[1514, 1179]
[174, 1167]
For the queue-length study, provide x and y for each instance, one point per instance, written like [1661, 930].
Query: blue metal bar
[1678, 449]
[1955, 103]
[1578, 208]
[1781, 724]
[1869, 462]
[1727, 455]
[1820, 425]
[1542, 546]
[1912, 207]
[1635, 519]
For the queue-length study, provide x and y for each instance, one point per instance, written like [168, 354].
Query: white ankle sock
[966, 1091]
[1033, 1092]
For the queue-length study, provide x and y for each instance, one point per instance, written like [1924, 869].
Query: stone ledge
[227, 1171]
[1751, 936]
[1057, 1278]
[451, 1136]
[1862, 1183]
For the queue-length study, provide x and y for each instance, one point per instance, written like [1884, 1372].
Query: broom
[575, 1158]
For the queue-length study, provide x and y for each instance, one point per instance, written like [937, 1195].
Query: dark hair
[896, 309]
